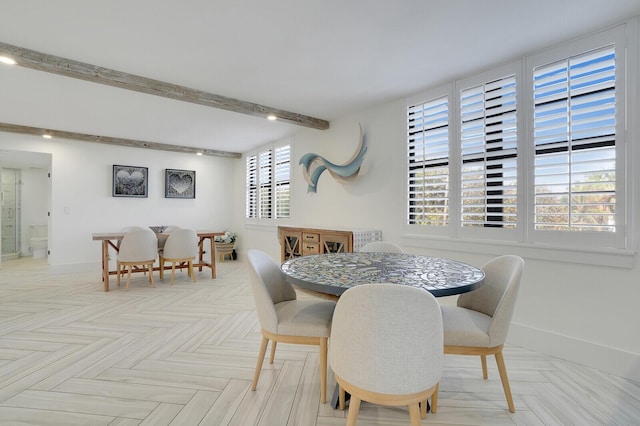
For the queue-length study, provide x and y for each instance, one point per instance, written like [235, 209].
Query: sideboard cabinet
[295, 241]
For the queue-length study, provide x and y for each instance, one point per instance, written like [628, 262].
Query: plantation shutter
[575, 143]
[428, 163]
[488, 173]
[251, 186]
[283, 181]
[264, 181]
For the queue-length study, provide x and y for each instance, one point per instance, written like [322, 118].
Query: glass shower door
[10, 217]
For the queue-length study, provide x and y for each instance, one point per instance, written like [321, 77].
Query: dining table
[110, 241]
[329, 275]
[332, 274]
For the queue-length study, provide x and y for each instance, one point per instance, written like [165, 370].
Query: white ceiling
[319, 58]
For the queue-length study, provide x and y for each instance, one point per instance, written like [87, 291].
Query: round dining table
[333, 273]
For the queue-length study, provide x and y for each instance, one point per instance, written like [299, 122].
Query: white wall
[81, 201]
[582, 312]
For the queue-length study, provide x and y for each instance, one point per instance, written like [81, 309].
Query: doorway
[25, 201]
[11, 212]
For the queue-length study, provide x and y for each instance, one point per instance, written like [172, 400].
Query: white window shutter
[251, 187]
[282, 181]
[264, 180]
[488, 148]
[575, 143]
[428, 163]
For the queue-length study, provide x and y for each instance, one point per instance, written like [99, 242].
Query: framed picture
[179, 183]
[130, 181]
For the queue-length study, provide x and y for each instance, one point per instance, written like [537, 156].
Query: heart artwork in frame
[179, 183]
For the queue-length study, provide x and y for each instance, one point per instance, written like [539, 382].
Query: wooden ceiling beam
[96, 74]
[132, 143]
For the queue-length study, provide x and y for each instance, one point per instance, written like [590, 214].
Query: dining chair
[479, 324]
[381, 246]
[386, 347]
[138, 249]
[128, 229]
[283, 318]
[180, 248]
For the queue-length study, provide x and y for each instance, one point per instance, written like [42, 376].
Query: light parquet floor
[71, 354]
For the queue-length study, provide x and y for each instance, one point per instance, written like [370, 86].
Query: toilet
[38, 241]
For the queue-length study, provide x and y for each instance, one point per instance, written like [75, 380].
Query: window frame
[615, 240]
[266, 214]
[616, 250]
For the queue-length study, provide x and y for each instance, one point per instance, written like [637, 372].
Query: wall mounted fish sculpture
[314, 165]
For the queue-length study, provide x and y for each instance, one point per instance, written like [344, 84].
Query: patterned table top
[335, 273]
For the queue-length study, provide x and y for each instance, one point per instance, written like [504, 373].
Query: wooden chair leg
[273, 351]
[263, 350]
[423, 409]
[354, 407]
[153, 283]
[434, 399]
[193, 276]
[118, 266]
[323, 370]
[161, 268]
[502, 369]
[128, 276]
[483, 360]
[173, 271]
[342, 396]
[414, 414]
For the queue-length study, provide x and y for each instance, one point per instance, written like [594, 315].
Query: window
[575, 143]
[528, 152]
[268, 176]
[428, 159]
[488, 144]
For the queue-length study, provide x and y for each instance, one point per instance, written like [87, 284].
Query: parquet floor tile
[71, 354]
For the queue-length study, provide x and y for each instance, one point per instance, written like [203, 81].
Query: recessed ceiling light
[47, 136]
[7, 60]
[198, 153]
[272, 117]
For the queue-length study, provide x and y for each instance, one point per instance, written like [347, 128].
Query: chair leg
[502, 369]
[128, 276]
[414, 414]
[323, 370]
[434, 399]
[423, 409]
[273, 351]
[193, 276]
[483, 360]
[153, 283]
[161, 260]
[173, 271]
[342, 396]
[263, 350]
[354, 407]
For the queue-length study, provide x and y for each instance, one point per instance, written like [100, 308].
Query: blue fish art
[314, 165]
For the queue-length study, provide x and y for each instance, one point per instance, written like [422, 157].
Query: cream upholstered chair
[129, 229]
[285, 319]
[386, 347]
[138, 249]
[181, 247]
[478, 325]
[381, 246]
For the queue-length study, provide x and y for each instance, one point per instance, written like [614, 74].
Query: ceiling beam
[96, 74]
[132, 143]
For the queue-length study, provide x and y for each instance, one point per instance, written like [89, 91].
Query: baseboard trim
[614, 361]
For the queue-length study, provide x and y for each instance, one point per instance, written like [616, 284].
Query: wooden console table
[296, 241]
